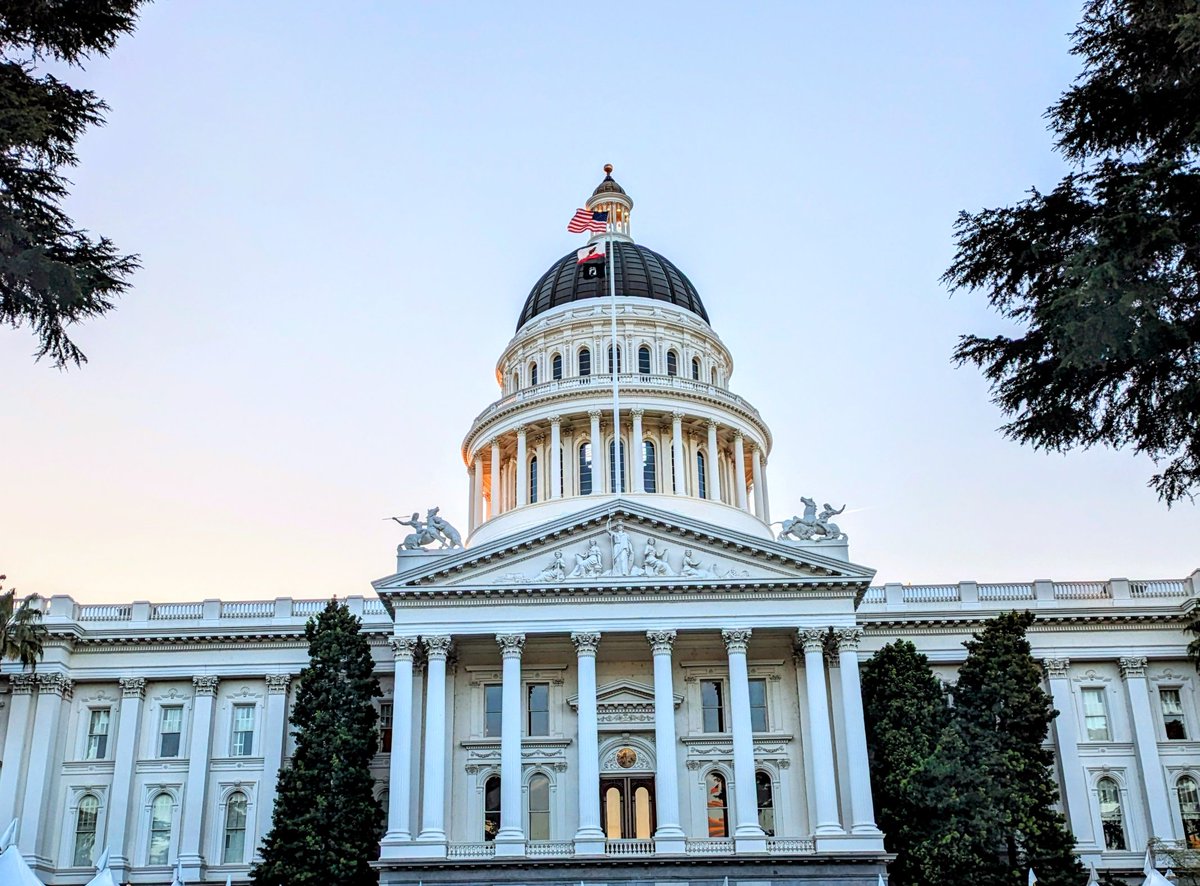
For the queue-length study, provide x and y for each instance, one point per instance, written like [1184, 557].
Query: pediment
[622, 544]
[624, 704]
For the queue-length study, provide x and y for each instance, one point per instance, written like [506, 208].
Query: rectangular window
[97, 736]
[712, 706]
[539, 709]
[1172, 711]
[493, 699]
[1095, 715]
[169, 727]
[758, 705]
[385, 727]
[243, 730]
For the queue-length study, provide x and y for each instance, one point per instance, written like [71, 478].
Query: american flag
[585, 220]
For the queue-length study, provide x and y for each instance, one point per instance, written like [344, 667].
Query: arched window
[672, 363]
[539, 807]
[718, 805]
[766, 802]
[491, 808]
[585, 361]
[1111, 818]
[696, 369]
[556, 367]
[649, 474]
[585, 469]
[234, 851]
[701, 480]
[644, 360]
[516, 381]
[713, 375]
[533, 480]
[613, 464]
[1189, 810]
[160, 830]
[533, 373]
[85, 830]
[610, 359]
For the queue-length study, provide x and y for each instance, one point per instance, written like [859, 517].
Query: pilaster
[1066, 739]
[16, 742]
[1145, 740]
[133, 690]
[53, 691]
[275, 721]
[204, 693]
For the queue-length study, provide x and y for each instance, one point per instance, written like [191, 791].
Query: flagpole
[618, 463]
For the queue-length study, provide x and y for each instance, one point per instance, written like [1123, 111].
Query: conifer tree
[996, 754]
[906, 712]
[327, 824]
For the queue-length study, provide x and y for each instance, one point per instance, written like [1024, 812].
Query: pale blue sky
[341, 209]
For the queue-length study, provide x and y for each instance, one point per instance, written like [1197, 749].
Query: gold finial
[608, 169]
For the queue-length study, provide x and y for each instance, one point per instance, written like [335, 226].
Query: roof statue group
[425, 532]
[813, 526]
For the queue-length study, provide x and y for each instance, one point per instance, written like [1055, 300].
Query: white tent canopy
[14, 871]
[104, 875]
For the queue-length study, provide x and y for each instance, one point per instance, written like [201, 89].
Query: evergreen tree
[906, 712]
[327, 824]
[1102, 274]
[995, 753]
[52, 273]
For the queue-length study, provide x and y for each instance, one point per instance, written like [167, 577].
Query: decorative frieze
[133, 687]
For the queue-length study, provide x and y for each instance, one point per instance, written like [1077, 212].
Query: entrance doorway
[628, 807]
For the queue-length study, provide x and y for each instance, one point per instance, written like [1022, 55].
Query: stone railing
[104, 612]
[709, 846]
[550, 849]
[786, 846]
[629, 847]
[470, 850]
[1114, 592]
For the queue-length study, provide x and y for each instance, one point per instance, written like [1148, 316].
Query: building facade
[622, 672]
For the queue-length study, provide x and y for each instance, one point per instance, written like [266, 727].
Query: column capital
[661, 641]
[676, 415]
[436, 647]
[711, 424]
[738, 435]
[277, 684]
[812, 639]
[1132, 666]
[848, 638]
[520, 430]
[1056, 668]
[206, 684]
[736, 640]
[555, 420]
[510, 645]
[403, 648]
[637, 413]
[586, 642]
[595, 413]
[494, 442]
[22, 684]
[55, 684]
[133, 687]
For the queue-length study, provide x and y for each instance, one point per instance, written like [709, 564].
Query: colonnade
[541, 461]
[431, 840]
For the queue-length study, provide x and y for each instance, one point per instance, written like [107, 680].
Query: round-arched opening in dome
[640, 272]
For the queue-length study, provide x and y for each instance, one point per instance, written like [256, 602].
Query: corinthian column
[749, 835]
[824, 785]
[637, 451]
[756, 475]
[739, 470]
[510, 840]
[710, 464]
[862, 808]
[597, 449]
[495, 498]
[133, 690]
[522, 469]
[556, 471]
[589, 839]
[669, 836]
[677, 452]
[399, 828]
[433, 781]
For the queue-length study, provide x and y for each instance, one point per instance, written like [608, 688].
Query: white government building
[624, 674]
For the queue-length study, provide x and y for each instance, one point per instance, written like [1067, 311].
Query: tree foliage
[22, 634]
[1102, 274]
[52, 273]
[327, 824]
[966, 794]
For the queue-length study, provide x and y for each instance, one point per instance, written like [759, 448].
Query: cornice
[1056, 621]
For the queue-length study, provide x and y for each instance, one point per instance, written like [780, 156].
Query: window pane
[695, 369]
[539, 808]
[491, 808]
[672, 363]
[585, 469]
[556, 367]
[700, 478]
[711, 705]
[234, 851]
[758, 705]
[766, 803]
[1189, 810]
[538, 703]
[613, 809]
[644, 361]
[585, 362]
[243, 730]
[385, 728]
[1111, 817]
[613, 464]
[649, 475]
[641, 813]
[533, 480]
[493, 705]
[85, 830]
[1172, 708]
[160, 830]
[1095, 715]
[97, 740]
[717, 826]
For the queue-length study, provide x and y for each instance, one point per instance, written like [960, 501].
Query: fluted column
[495, 498]
[739, 470]
[53, 690]
[275, 723]
[749, 835]
[824, 784]
[669, 836]
[433, 778]
[677, 450]
[710, 463]
[589, 839]
[522, 469]
[858, 768]
[510, 840]
[199, 749]
[636, 451]
[1066, 736]
[16, 741]
[133, 690]
[399, 829]
[1145, 741]
[556, 471]
[477, 492]
[597, 449]
[756, 475]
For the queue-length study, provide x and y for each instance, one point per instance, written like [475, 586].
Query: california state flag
[592, 252]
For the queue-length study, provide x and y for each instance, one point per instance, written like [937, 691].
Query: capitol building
[627, 666]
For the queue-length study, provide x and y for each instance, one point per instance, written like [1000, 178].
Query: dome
[641, 273]
[608, 186]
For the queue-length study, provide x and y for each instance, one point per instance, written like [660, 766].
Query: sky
[340, 210]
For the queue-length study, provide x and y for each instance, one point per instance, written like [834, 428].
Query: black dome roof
[640, 272]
